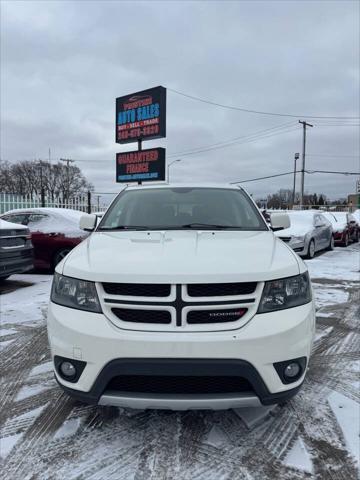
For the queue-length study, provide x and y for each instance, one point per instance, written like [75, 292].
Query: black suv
[16, 250]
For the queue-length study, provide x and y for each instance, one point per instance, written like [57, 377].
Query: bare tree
[33, 177]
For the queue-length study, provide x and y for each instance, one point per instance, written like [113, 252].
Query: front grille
[215, 316]
[12, 242]
[169, 384]
[220, 289]
[23, 232]
[142, 316]
[137, 289]
[16, 254]
[285, 239]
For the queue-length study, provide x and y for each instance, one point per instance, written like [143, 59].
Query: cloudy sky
[63, 64]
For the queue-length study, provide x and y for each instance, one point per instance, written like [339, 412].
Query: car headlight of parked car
[298, 239]
[75, 293]
[285, 293]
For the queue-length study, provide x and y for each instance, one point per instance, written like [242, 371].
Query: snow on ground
[44, 434]
[329, 295]
[26, 305]
[298, 457]
[341, 263]
[347, 414]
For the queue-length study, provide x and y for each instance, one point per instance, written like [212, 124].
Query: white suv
[181, 298]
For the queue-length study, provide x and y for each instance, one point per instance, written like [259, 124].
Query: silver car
[308, 233]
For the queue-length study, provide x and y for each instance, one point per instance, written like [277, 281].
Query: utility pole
[68, 161]
[98, 202]
[296, 157]
[304, 124]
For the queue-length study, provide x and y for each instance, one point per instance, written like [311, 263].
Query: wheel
[356, 239]
[331, 244]
[311, 249]
[60, 255]
[345, 243]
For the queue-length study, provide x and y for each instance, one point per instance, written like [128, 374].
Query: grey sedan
[308, 233]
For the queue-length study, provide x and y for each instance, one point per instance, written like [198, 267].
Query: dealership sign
[141, 165]
[141, 116]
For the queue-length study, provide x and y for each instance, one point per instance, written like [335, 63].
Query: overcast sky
[63, 64]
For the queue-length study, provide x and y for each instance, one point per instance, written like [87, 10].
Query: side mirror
[279, 221]
[88, 222]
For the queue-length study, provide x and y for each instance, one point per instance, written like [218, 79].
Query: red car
[345, 227]
[54, 232]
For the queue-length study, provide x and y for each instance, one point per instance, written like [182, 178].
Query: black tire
[356, 239]
[331, 244]
[311, 249]
[345, 243]
[60, 254]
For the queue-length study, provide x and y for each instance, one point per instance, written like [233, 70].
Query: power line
[247, 110]
[263, 178]
[235, 139]
[248, 139]
[329, 171]
[339, 125]
[331, 155]
[258, 135]
[291, 173]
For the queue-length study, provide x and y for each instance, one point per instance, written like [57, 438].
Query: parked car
[54, 232]
[356, 214]
[345, 227]
[308, 233]
[16, 250]
[182, 297]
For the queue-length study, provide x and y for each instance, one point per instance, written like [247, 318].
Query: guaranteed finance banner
[141, 165]
[141, 116]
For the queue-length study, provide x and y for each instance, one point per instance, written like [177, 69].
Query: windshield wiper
[208, 225]
[124, 227]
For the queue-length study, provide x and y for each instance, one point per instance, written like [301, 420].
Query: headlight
[74, 293]
[285, 293]
[298, 239]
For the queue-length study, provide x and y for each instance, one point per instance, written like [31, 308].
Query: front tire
[345, 243]
[331, 244]
[311, 250]
[60, 255]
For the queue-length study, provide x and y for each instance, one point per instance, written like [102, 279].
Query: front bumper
[16, 261]
[249, 352]
[300, 247]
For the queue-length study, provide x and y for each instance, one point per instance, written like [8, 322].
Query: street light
[296, 157]
[168, 168]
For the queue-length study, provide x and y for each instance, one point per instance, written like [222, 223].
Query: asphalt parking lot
[46, 435]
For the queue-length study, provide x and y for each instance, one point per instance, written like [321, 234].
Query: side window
[36, 217]
[35, 220]
[323, 220]
[16, 218]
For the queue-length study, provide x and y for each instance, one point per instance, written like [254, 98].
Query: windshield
[182, 208]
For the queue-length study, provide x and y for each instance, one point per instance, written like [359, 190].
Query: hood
[4, 225]
[293, 231]
[181, 257]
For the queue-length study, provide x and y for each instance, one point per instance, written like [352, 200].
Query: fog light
[292, 370]
[68, 369]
